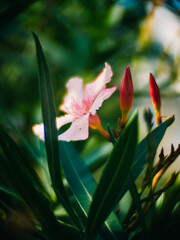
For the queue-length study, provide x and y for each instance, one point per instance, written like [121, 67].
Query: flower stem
[104, 133]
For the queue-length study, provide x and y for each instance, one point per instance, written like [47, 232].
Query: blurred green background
[78, 37]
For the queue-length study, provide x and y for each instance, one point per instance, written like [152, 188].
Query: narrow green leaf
[9, 192]
[136, 200]
[111, 135]
[83, 185]
[113, 179]
[24, 141]
[49, 114]
[95, 159]
[141, 151]
[32, 156]
[21, 178]
[140, 158]
[133, 190]
[142, 148]
[171, 198]
[51, 142]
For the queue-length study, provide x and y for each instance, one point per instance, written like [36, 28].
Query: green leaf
[51, 142]
[132, 188]
[83, 185]
[113, 179]
[171, 198]
[111, 135]
[23, 140]
[32, 159]
[21, 178]
[136, 200]
[95, 159]
[141, 151]
[140, 158]
[49, 114]
[155, 137]
[9, 192]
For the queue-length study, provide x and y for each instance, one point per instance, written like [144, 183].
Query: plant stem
[137, 201]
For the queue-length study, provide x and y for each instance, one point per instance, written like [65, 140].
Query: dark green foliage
[21, 178]
[113, 179]
[83, 186]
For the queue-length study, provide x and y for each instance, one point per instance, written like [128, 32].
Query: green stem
[137, 201]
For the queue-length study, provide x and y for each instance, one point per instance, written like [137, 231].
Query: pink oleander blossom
[80, 105]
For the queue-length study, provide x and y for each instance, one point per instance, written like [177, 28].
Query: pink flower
[80, 105]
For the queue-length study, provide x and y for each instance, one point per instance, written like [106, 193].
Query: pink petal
[103, 95]
[93, 89]
[38, 129]
[60, 121]
[79, 130]
[75, 91]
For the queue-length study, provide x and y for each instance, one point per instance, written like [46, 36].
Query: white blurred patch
[166, 30]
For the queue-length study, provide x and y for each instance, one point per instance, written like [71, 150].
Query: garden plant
[74, 206]
[89, 120]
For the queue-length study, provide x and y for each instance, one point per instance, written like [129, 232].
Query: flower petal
[79, 130]
[60, 121]
[75, 91]
[103, 95]
[93, 89]
[38, 129]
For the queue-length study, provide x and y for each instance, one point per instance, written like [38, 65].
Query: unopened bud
[126, 95]
[155, 97]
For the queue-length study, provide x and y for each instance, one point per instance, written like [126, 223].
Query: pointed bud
[126, 95]
[155, 97]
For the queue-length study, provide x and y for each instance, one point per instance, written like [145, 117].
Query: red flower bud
[126, 94]
[155, 97]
